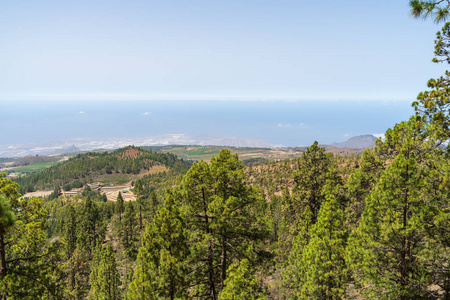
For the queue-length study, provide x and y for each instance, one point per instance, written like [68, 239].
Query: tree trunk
[405, 251]
[140, 216]
[224, 261]
[4, 269]
[212, 288]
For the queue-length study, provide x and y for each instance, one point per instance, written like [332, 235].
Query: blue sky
[206, 49]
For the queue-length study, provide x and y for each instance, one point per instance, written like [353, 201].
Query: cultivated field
[246, 154]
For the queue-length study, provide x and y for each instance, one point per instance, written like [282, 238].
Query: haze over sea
[287, 123]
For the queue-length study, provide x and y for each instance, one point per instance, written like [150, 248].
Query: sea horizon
[279, 123]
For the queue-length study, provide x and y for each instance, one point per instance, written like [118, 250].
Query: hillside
[118, 167]
[202, 152]
[248, 155]
[358, 142]
[31, 160]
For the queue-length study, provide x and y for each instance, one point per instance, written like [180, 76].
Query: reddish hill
[131, 153]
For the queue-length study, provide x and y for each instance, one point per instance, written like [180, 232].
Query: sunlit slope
[117, 167]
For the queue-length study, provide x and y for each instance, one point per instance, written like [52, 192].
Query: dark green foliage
[219, 228]
[81, 224]
[158, 183]
[314, 169]
[91, 230]
[93, 194]
[391, 235]
[58, 210]
[436, 255]
[120, 207]
[104, 278]
[30, 265]
[226, 220]
[312, 172]
[55, 194]
[154, 204]
[70, 231]
[161, 266]
[129, 230]
[79, 170]
[438, 10]
[7, 217]
[10, 190]
[274, 216]
[434, 104]
[317, 268]
[359, 184]
[141, 203]
[242, 283]
[340, 227]
[77, 271]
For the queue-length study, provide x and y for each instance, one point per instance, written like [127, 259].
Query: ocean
[286, 123]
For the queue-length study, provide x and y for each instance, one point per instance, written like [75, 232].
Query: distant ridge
[358, 142]
[71, 149]
[86, 144]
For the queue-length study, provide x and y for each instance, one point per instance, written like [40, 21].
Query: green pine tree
[120, 206]
[129, 234]
[439, 10]
[310, 178]
[140, 202]
[242, 284]
[154, 204]
[104, 279]
[161, 263]
[226, 220]
[360, 184]
[313, 170]
[7, 221]
[77, 270]
[390, 237]
[70, 231]
[435, 256]
[90, 232]
[30, 264]
[319, 267]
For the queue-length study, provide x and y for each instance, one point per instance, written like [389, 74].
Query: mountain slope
[357, 142]
[119, 166]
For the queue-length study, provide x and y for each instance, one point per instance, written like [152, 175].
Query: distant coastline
[238, 123]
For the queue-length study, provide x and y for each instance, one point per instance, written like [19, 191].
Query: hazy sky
[210, 49]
